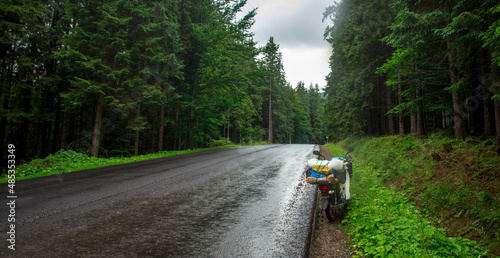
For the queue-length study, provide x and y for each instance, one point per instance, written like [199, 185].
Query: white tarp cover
[335, 163]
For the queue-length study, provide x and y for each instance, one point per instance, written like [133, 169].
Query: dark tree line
[404, 66]
[126, 77]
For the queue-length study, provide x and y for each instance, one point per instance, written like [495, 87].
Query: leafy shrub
[220, 143]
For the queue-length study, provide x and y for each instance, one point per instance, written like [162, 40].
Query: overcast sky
[297, 28]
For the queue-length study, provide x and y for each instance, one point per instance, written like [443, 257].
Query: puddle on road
[277, 225]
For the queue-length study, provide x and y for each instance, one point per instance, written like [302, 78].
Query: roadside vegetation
[66, 161]
[423, 197]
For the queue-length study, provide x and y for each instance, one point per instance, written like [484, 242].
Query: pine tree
[301, 115]
[272, 62]
[317, 114]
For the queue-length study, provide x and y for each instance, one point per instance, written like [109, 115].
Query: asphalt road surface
[246, 201]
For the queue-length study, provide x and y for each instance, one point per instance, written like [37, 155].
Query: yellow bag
[322, 169]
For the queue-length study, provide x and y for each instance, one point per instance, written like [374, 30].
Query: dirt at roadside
[327, 238]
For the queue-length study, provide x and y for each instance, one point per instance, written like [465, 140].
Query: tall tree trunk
[486, 111]
[64, 130]
[191, 128]
[137, 130]
[162, 127]
[39, 137]
[228, 127]
[496, 90]
[57, 126]
[413, 128]
[96, 139]
[413, 122]
[401, 113]
[444, 120]
[153, 145]
[234, 135]
[457, 118]
[390, 116]
[270, 130]
[457, 115]
[420, 122]
[42, 125]
[484, 64]
[136, 143]
[191, 119]
[176, 129]
[420, 115]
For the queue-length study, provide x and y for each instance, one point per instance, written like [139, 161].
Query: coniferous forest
[405, 66]
[128, 77]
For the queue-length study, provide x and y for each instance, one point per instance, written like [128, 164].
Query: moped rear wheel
[330, 213]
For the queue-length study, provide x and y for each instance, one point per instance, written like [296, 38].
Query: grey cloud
[300, 28]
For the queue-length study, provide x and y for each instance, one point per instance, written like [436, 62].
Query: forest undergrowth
[424, 197]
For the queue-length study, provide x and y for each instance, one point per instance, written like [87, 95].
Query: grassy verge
[70, 161]
[384, 221]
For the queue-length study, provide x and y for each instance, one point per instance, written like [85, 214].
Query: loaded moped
[333, 178]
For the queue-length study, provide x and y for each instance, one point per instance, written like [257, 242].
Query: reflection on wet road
[247, 201]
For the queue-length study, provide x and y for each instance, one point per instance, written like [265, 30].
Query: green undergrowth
[455, 183]
[70, 161]
[382, 220]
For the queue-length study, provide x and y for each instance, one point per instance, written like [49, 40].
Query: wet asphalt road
[246, 201]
